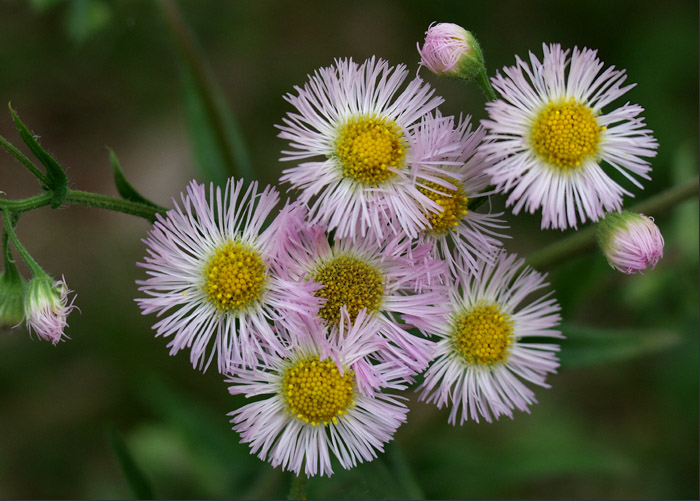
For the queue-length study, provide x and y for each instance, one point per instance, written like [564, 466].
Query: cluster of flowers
[382, 269]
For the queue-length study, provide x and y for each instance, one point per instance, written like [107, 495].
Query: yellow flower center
[483, 335]
[234, 277]
[351, 282]
[368, 146]
[453, 204]
[565, 134]
[315, 392]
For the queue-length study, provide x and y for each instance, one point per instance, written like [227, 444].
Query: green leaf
[57, 179]
[218, 144]
[134, 476]
[588, 346]
[124, 188]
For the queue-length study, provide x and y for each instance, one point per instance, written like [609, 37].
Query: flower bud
[46, 307]
[451, 51]
[11, 298]
[631, 242]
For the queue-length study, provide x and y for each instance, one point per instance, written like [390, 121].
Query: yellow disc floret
[316, 392]
[234, 277]
[483, 335]
[367, 146]
[565, 134]
[453, 204]
[348, 281]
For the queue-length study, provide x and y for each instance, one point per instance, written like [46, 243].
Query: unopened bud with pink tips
[631, 242]
[47, 306]
[451, 51]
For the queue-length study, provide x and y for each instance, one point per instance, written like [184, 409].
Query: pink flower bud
[631, 242]
[46, 308]
[450, 50]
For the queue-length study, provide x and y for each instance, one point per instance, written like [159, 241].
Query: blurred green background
[621, 422]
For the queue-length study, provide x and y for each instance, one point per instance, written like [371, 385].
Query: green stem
[31, 203]
[298, 489]
[7, 146]
[115, 204]
[85, 198]
[585, 240]
[483, 79]
[10, 219]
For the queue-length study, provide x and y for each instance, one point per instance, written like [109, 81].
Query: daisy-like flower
[318, 401]
[548, 136]
[460, 180]
[351, 133]
[631, 242]
[213, 271]
[388, 278]
[46, 307]
[482, 354]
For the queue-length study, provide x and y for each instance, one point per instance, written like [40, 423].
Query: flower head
[631, 242]
[46, 307]
[451, 51]
[213, 269]
[458, 181]
[385, 279]
[319, 398]
[549, 136]
[351, 133]
[482, 353]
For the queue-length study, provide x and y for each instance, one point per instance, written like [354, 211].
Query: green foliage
[137, 480]
[124, 188]
[588, 346]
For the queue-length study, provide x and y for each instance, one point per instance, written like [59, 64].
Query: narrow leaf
[124, 188]
[217, 142]
[57, 179]
[140, 486]
[10, 148]
[589, 346]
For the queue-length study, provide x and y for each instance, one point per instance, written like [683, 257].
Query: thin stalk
[585, 240]
[483, 79]
[114, 204]
[298, 489]
[10, 221]
[31, 203]
[7, 146]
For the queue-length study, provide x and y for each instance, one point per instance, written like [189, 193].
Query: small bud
[11, 298]
[631, 242]
[451, 51]
[46, 307]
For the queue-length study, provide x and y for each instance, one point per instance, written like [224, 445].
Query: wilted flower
[631, 242]
[46, 307]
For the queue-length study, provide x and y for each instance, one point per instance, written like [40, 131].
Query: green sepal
[124, 188]
[12, 286]
[57, 179]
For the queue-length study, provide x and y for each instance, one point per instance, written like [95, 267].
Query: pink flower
[451, 51]
[631, 242]
[46, 308]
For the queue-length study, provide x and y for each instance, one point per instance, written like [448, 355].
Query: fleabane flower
[46, 308]
[212, 273]
[631, 242]
[458, 182]
[483, 352]
[317, 399]
[451, 51]
[350, 136]
[549, 137]
[387, 278]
